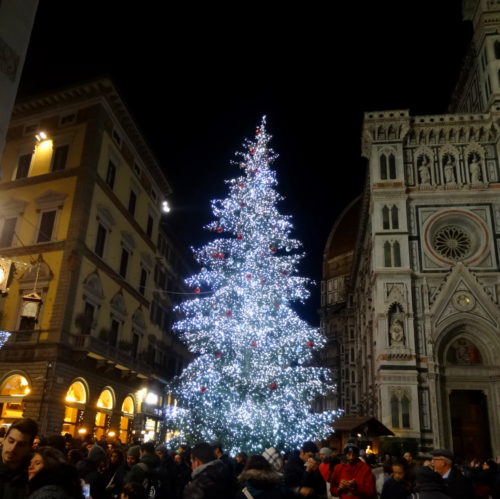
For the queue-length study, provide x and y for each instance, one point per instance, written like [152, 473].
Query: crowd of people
[60, 467]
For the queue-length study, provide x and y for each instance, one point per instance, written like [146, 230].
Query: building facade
[16, 23]
[417, 330]
[87, 269]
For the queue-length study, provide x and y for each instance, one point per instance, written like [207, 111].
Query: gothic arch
[482, 337]
[92, 287]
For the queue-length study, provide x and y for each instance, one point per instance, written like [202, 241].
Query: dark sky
[198, 79]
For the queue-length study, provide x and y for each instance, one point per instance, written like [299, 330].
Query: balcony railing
[88, 343]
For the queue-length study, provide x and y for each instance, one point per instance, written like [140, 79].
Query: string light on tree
[251, 383]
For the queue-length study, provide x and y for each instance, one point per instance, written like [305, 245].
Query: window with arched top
[128, 406]
[395, 217]
[387, 254]
[75, 400]
[405, 412]
[396, 251]
[392, 166]
[383, 167]
[76, 393]
[15, 386]
[106, 400]
[394, 411]
[385, 218]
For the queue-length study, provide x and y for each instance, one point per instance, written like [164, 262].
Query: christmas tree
[251, 384]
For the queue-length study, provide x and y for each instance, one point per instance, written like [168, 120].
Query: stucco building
[416, 319]
[87, 270]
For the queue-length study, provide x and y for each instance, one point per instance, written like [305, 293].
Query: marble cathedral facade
[411, 303]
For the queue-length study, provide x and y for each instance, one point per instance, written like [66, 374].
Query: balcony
[101, 350]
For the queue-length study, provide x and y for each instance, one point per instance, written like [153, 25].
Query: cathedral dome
[339, 248]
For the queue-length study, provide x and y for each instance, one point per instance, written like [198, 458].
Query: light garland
[251, 384]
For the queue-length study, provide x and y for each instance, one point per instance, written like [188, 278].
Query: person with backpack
[147, 470]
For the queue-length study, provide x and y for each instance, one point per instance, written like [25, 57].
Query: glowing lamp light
[41, 136]
[82, 431]
[70, 398]
[165, 207]
[152, 398]
[111, 434]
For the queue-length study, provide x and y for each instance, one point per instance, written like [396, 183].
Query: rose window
[452, 242]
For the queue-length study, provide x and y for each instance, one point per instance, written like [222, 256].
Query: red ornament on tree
[218, 355]
[263, 281]
[241, 185]
[229, 313]
[197, 290]
[253, 344]
[277, 304]
[273, 250]
[310, 344]
[203, 389]
[284, 272]
[252, 150]
[219, 229]
[242, 205]
[256, 170]
[239, 237]
[257, 131]
[273, 386]
[248, 276]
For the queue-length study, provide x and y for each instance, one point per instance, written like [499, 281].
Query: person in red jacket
[353, 479]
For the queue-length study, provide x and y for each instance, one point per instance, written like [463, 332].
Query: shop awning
[365, 425]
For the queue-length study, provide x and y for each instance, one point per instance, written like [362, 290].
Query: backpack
[152, 481]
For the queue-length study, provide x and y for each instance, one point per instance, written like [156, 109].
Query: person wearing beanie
[302, 476]
[354, 478]
[90, 470]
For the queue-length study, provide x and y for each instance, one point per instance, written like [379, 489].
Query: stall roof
[367, 425]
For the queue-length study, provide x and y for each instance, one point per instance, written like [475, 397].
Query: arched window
[13, 390]
[392, 166]
[397, 254]
[383, 167]
[76, 398]
[395, 411]
[385, 217]
[387, 254]
[105, 405]
[128, 411]
[394, 217]
[405, 411]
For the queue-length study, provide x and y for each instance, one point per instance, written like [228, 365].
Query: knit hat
[161, 448]
[96, 453]
[309, 447]
[326, 451]
[134, 451]
[351, 447]
[273, 457]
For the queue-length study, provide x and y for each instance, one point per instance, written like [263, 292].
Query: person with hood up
[148, 464]
[90, 470]
[260, 481]
[354, 478]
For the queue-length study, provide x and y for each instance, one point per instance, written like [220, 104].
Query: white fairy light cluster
[251, 383]
[4, 336]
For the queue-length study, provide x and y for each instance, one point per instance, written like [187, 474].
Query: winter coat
[457, 486]
[297, 477]
[147, 463]
[50, 492]
[261, 484]
[361, 473]
[212, 480]
[394, 489]
[88, 471]
[13, 482]
[61, 482]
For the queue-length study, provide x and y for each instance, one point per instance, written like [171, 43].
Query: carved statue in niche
[396, 332]
[463, 352]
[396, 326]
[449, 169]
[424, 170]
[475, 169]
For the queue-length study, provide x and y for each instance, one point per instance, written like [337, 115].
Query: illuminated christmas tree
[251, 383]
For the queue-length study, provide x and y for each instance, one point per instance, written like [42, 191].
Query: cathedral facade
[410, 302]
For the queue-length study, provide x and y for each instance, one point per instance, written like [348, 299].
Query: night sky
[197, 79]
